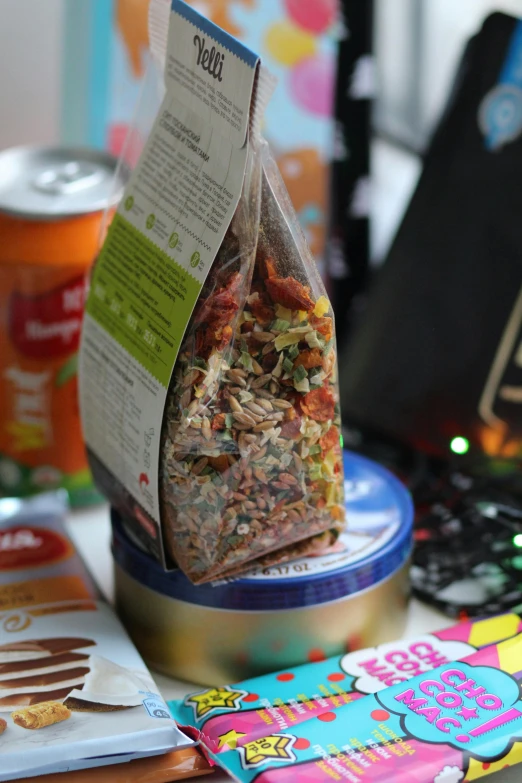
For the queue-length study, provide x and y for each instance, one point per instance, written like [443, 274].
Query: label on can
[41, 444]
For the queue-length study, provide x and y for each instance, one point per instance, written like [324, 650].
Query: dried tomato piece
[213, 338]
[222, 337]
[323, 325]
[219, 421]
[269, 362]
[270, 268]
[265, 267]
[262, 312]
[291, 429]
[319, 404]
[331, 439]
[309, 359]
[290, 293]
[223, 311]
[221, 306]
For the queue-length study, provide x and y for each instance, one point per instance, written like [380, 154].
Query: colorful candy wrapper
[457, 723]
[227, 717]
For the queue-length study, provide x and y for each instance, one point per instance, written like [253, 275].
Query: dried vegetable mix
[251, 459]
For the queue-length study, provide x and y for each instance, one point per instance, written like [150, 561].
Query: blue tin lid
[377, 543]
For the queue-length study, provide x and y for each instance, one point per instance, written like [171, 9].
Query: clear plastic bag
[251, 458]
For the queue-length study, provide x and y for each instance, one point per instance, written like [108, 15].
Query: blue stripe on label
[215, 32]
[500, 113]
[512, 70]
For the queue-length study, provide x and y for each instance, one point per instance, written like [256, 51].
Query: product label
[24, 546]
[59, 644]
[203, 68]
[47, 326]
[176, 209]
[155, 706]
[41, 445]
[462, 705]
[215, 699]
[42, 596]
[500, 113]
[434, 728]
[397, 662]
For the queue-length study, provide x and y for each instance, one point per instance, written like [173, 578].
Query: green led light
[459, 445]
[341, 440]
[518, 540]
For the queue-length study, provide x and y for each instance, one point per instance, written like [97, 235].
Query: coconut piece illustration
[107, 687]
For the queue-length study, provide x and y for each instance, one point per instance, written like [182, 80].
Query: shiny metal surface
[49, 183]
[212, 646]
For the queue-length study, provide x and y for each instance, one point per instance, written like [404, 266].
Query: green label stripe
[142, 298]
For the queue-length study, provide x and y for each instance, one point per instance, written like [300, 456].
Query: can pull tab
[68, 178]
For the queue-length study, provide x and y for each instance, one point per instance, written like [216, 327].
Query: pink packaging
[457, 723]
[226, 717]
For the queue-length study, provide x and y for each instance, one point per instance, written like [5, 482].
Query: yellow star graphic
[230, 739]
[277, 747]
[215, 699]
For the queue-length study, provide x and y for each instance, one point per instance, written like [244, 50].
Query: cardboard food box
[74, 692]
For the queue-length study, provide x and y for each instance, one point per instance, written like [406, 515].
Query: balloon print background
[298, 41]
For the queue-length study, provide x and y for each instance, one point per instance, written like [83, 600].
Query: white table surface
[90, 530]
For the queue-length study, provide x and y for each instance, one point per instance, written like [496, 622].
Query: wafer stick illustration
[41, 715]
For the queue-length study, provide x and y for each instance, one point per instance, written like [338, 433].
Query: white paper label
[211, 73]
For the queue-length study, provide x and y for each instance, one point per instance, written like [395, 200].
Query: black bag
[438, 352]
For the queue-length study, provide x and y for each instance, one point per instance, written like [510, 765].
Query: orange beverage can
[52, 206]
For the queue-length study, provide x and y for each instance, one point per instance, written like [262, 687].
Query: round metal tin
[50, 183]
[354, 596]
